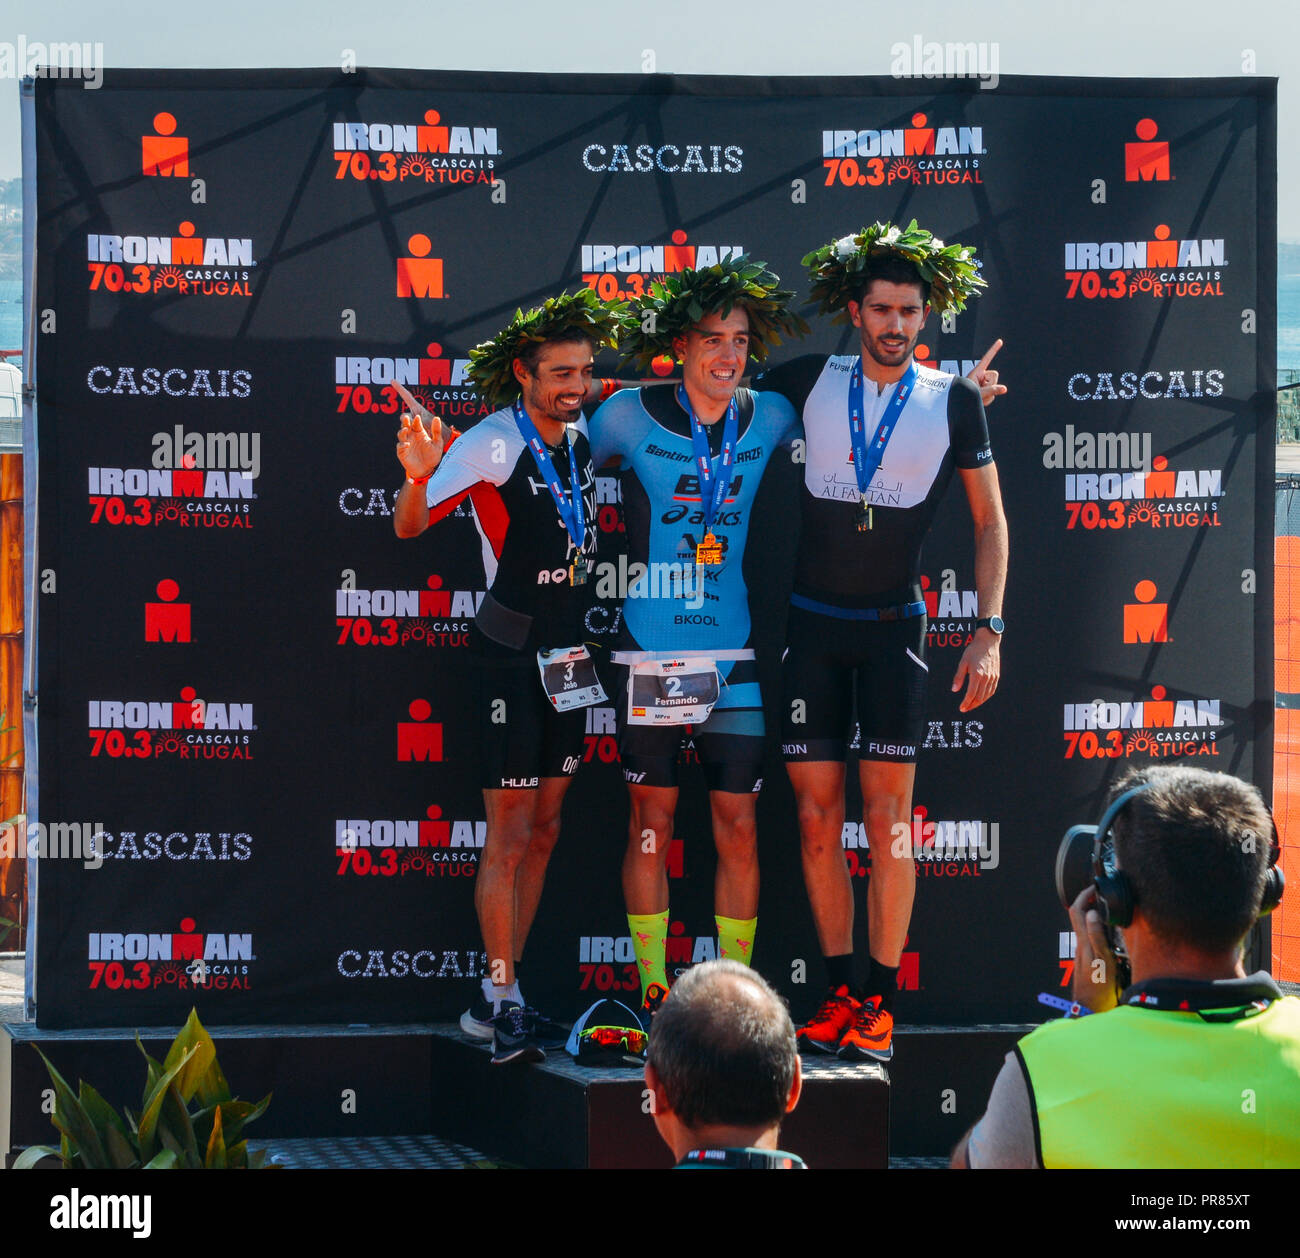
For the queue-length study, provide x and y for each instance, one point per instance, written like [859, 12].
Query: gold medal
[709, 551]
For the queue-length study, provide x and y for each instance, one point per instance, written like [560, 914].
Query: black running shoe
[476, 1021]
[546, 1031]
[512, 1035]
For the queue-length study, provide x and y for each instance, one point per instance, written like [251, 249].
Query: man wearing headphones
[1196, 1063]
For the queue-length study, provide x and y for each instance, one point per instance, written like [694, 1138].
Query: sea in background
[11, 315]
[1288, 312]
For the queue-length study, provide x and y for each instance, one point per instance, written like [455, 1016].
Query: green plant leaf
[118, 1147]
[202, 1120]
[153, 1109]
[213, 1088]
[236, 1115]
[165, 1135]
[121, 1152]
[155, 1071]
[192, 1037]
[175, 1128]
[74, 1123]
[101, 1112]
[33, 1154]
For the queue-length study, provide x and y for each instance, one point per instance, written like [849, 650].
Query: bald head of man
[722, 1065]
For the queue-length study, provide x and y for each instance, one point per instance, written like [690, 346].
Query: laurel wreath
[491, 364]
[670, 307]
[835, 270]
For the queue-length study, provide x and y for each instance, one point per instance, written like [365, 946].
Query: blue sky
[1127, 38]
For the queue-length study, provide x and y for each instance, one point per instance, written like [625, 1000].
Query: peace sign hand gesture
[419, 449]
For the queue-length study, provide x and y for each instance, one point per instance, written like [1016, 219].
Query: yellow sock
[735, 938]
[650, 943]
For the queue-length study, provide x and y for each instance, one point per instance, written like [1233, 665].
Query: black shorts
[830, 665]
[729, 744]
[521, 736]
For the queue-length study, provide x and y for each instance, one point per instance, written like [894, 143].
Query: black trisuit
[857, 617]
[530, 604]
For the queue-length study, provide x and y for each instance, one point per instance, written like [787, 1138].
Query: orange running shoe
[871, 1037]
[655, 996]
[825, 1029]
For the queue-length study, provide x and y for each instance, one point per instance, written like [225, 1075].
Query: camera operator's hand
[1095, 969]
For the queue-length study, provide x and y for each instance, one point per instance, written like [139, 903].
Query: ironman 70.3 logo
[1160, 267]
[429, 151]
[432, 616]
[620, 272]
[1127, 488]
[434, 848]
[186, 959]
[367, 386]
[1158, 727]
[919, 154]
[184, 264]
[195, 479]
[191, 729]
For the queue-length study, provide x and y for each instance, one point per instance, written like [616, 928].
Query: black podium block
[324, 1080]
[941, 1079]
[560, 1114]
[335, 1081]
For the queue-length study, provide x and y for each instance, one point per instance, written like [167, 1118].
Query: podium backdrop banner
[258, 697]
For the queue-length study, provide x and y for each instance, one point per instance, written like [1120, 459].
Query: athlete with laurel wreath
[692, 456]
[526, 469]
[883, 436]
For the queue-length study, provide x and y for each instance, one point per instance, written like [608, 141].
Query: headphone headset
[1115, 898]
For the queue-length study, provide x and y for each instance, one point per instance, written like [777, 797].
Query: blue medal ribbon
[569, 505]
[713, 490]
[866, 460]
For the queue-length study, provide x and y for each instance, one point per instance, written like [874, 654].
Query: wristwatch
[995, 623]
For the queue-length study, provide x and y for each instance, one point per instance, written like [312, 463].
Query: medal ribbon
[713, 490]
[569, 505]
[867, 461]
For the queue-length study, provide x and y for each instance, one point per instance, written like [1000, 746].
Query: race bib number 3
[569, 678]
[672, 692]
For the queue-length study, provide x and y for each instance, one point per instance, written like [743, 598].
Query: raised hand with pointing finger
[985, 377]
[419, 449]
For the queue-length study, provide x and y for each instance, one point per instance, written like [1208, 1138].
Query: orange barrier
[1286, 754]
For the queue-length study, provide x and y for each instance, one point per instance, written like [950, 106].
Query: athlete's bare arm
[419, 450]
[981, 662]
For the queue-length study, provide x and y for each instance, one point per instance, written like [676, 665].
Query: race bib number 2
[569, 678]
[672, 692]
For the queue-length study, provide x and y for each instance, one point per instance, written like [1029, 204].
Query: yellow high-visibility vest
[1143, 1087]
